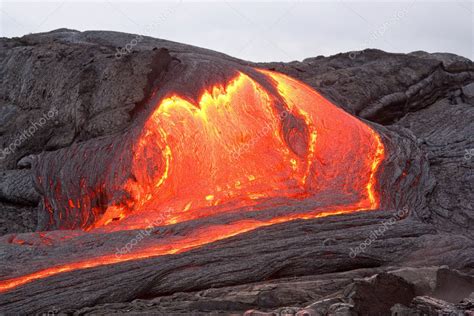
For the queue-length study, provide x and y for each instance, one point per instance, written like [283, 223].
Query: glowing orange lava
[178, 245]
[232, 149]
[239, 145]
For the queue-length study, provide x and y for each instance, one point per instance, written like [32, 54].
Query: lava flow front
[240, 145]
[250, 142]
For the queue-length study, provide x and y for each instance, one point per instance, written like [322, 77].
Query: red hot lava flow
[238, 146]
[232, 149]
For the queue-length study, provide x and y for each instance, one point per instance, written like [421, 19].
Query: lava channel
[242, 144]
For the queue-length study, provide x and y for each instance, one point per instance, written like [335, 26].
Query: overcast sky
[263, 31]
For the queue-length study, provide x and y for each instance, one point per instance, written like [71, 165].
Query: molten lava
[240, 145]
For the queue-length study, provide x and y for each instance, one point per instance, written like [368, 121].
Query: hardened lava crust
[169, 179]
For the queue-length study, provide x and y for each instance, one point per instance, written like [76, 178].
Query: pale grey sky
[262, 31]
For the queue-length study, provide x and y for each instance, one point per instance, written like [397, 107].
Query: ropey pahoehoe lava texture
[240, 144]
[221, 163]
[188, 162]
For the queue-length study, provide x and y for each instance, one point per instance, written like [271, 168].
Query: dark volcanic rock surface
[422, 103]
